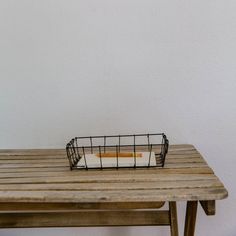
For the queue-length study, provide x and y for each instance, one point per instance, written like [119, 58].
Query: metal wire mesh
[82, 152]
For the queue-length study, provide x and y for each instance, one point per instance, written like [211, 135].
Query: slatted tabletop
[43, 176]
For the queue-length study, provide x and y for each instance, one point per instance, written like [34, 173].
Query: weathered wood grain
[190, 218]
[62, 206]
[111, 186]
[66, 172]
[173, 219]
[116, 178]
[84, 218]
[155, 195]
[209, 207]
[43, 176]
[37, 189]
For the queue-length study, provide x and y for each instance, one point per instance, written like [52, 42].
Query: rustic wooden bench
[37, 189]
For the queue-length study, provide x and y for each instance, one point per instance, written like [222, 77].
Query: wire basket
[117, 151]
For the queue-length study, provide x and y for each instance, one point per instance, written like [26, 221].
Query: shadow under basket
[117, 151]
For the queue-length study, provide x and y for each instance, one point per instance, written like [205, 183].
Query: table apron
[84, 218]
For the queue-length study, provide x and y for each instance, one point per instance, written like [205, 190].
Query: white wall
[73, 67]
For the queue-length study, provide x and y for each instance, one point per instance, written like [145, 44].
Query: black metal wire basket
[117, 151]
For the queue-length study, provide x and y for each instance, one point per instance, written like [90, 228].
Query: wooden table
[37, 189]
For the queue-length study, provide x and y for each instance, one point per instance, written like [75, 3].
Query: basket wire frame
[77, 152]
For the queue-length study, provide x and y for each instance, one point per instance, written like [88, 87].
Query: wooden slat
[172, 148]
[58, 156]
[66, 171]
[62, 163]
[116, 178]
[35, 165]
[31, 152]
[56, 165]
[183, 160]
[179, 155]
[179, 194]
[185, 165]
[84, 218]
[50, 162]
[182, 151]
[112, 186]
[31, 169]
[34, 157]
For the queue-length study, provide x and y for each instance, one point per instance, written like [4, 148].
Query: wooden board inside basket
[125, 159]
[120, 154]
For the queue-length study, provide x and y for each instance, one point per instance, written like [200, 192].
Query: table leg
[173, 219]
[190, 218]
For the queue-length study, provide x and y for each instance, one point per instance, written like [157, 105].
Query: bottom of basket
[143, 159]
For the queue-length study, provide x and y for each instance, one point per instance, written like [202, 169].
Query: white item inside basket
[93, 160]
